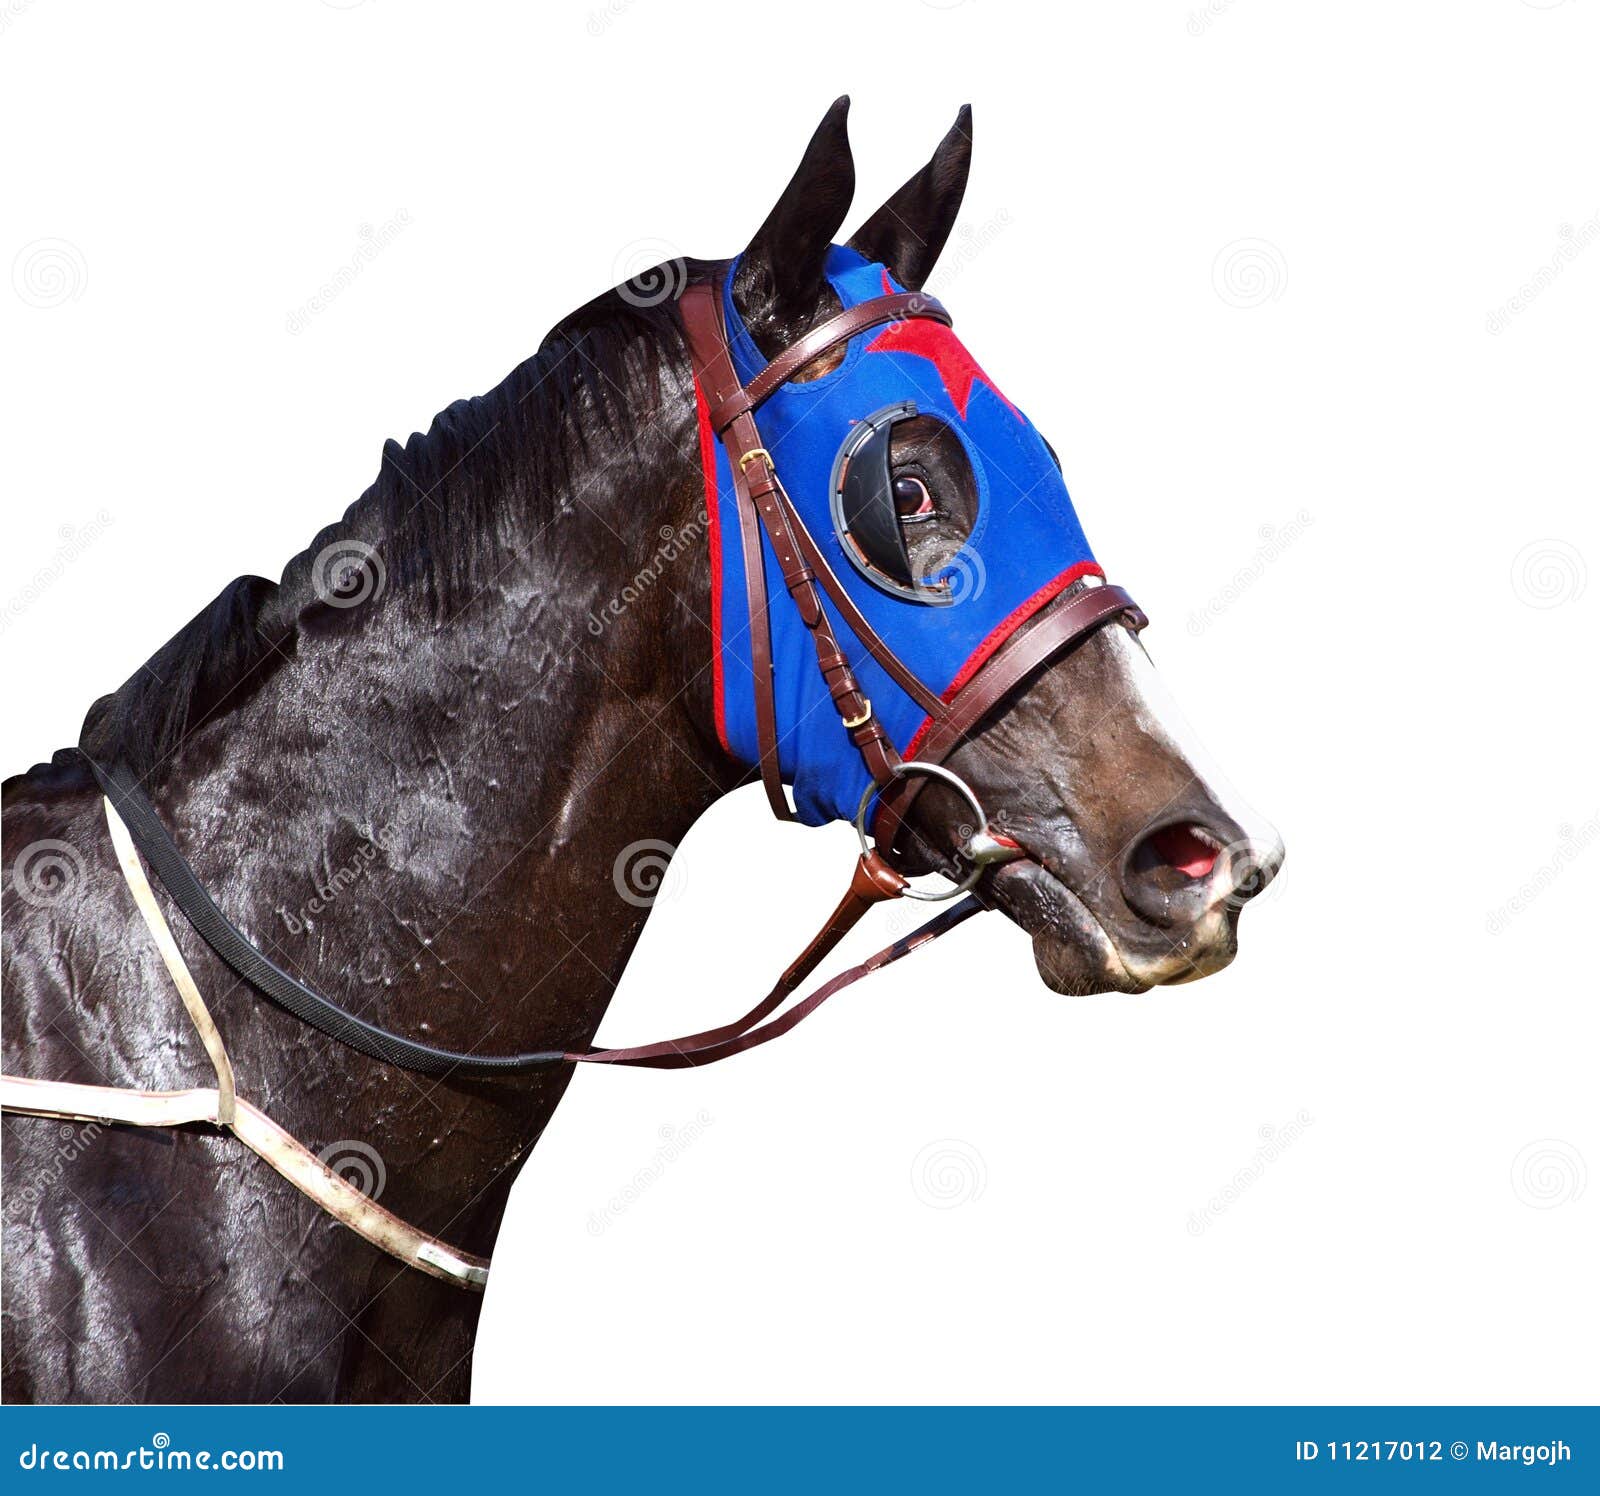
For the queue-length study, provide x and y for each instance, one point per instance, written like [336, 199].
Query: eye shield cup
[861, 497]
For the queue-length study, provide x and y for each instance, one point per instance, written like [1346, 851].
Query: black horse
[408, 770]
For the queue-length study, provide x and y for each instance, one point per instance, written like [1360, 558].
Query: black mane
[439, 513]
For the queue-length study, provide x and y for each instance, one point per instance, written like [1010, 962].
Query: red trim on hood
[1003, 631]
[708, 469]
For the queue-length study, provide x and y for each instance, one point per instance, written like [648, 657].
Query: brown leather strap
[942, 924]
[897, 671]
[872, 882]
[755, 585]
[897, 307]
[784, 529]
[1041, 639]
[756, 485]
[713, 367]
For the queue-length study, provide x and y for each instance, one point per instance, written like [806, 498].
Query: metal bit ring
[982, 849]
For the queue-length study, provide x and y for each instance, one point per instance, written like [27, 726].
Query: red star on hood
[958, 369]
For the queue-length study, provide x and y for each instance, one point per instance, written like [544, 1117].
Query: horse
[416, 769]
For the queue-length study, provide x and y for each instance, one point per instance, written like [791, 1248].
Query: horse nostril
[1182, 847]
[1169, 873]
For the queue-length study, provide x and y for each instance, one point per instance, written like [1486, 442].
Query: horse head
[944, 513]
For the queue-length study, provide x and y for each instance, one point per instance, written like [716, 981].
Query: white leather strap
[62, 1098]
[222, 1107]
[161, 932]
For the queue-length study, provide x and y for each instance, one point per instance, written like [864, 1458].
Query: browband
[899, 306]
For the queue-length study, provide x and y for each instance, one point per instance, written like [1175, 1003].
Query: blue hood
[1026, 544]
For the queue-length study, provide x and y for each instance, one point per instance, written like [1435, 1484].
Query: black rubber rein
[225, 938]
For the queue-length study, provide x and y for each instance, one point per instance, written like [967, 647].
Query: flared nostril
[1181, 847]
[1168, 874]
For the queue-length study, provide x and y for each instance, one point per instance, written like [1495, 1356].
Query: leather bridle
[767, 519]
[764, 507]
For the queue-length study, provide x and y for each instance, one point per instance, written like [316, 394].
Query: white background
[974, 1190]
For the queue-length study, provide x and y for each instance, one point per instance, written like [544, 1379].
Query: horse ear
[780, 276]
[909, 230]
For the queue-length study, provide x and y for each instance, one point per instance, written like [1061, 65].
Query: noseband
[767, 519]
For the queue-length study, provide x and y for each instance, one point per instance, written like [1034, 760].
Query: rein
[767, 518]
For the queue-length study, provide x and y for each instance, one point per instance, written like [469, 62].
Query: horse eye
[912, 501]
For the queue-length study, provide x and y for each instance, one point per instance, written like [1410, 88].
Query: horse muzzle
[1080, 950]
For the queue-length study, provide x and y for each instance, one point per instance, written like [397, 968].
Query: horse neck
[451, 825]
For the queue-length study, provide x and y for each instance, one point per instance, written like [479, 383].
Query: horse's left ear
[780, 276]
[909, 230]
